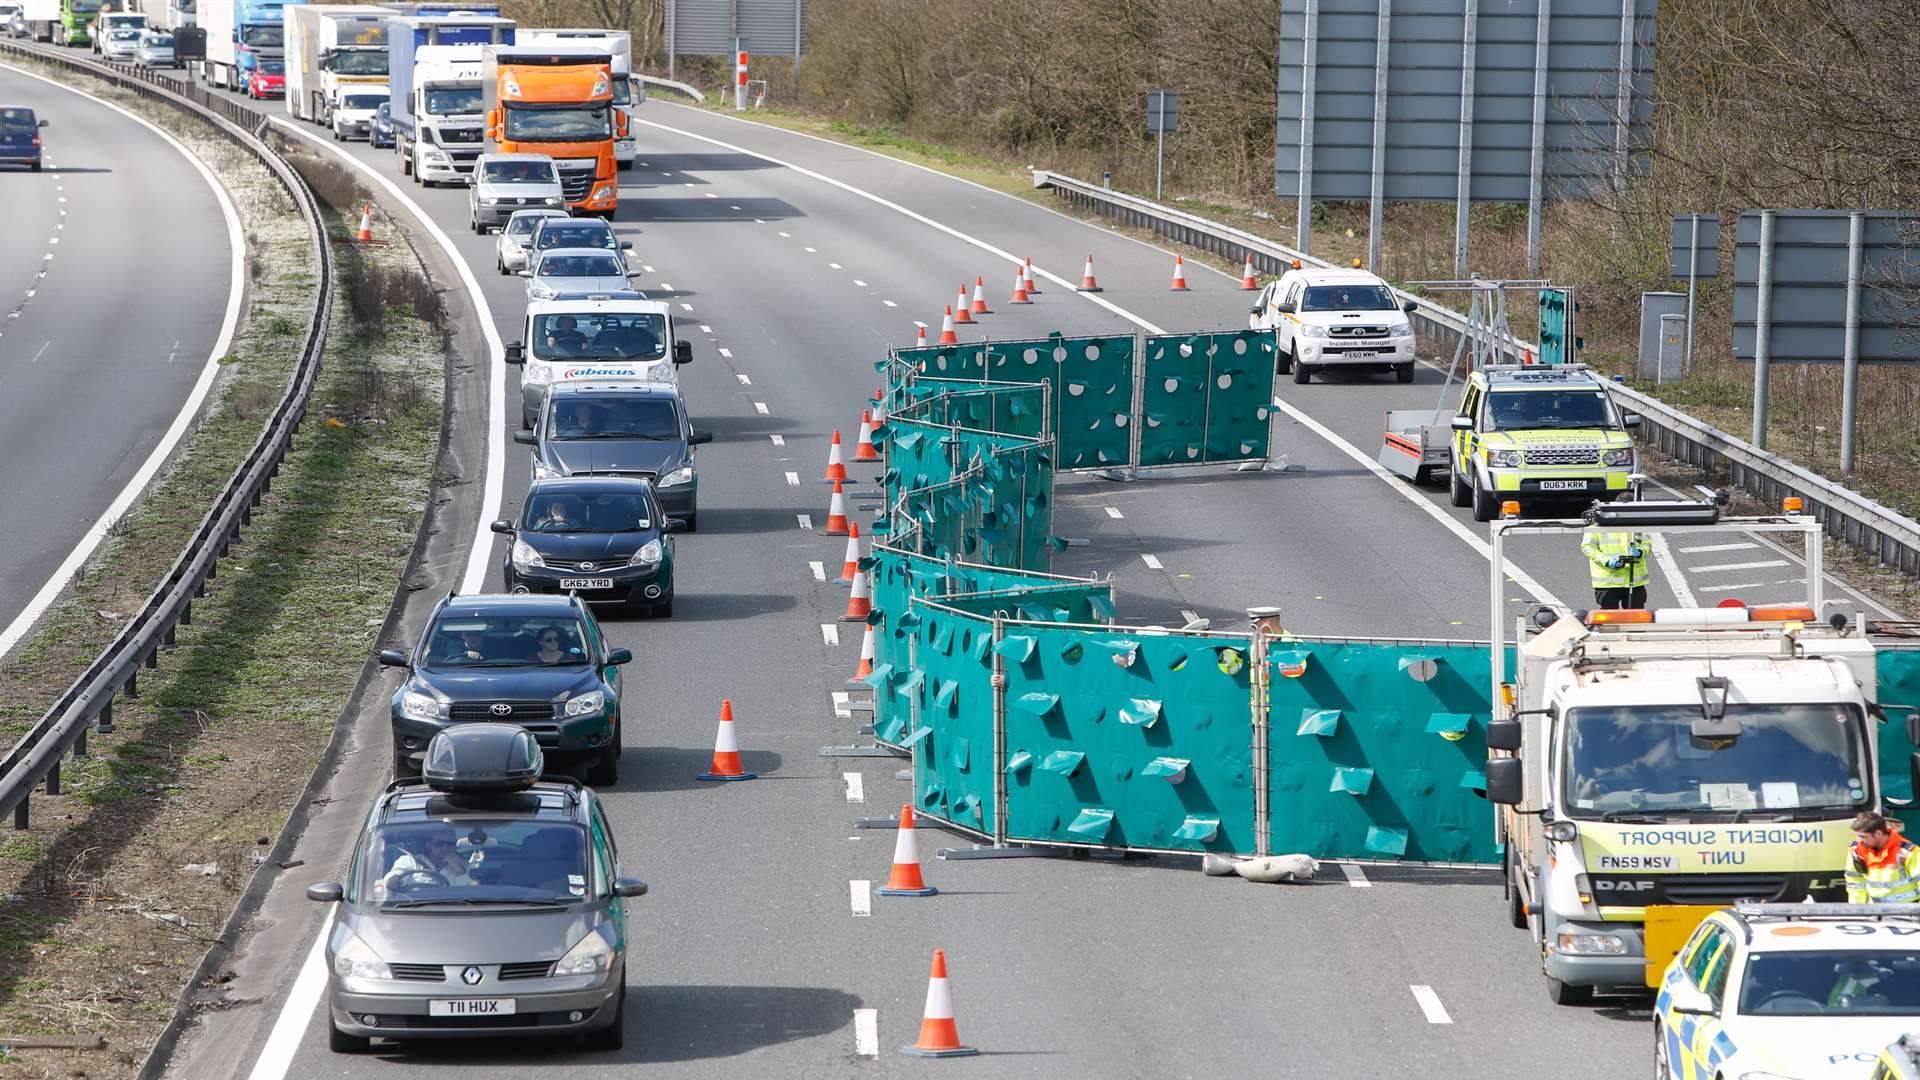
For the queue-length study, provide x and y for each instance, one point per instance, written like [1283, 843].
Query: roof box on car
[480, 759]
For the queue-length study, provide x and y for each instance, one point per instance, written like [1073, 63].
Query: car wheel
[36, 166]
[403, 766]
[1403, 372]
[1462, 494]
[614, 1035]
[693, 522]
[664, 609]
[1565, 994]
[604, 771]
[1484, 505]
[1283, 361]
[406, 166]
[1662, 1068]
[1302, 373]
[1516, 907]
[342, 1043]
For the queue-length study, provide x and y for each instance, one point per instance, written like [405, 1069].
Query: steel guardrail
[37, 756]
[1846, 515]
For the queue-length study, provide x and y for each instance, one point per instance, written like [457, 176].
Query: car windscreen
[635, 336]
[622, 92]
[17, 120]
[162, 41]
[1348, 298]
[582, 124]
[519, 172]
[123, 35]
[581, 266]
[1524, 410]
[362, 101]
[578, 236]
[616, 418]
[451, 100]
[1645, 759]
[273, 67]
[467, 641]
[465, 862]
[1883, 982]
[360, 62]
[522, 225]
[589, 512]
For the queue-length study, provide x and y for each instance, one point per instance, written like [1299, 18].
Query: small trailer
[1418, 444]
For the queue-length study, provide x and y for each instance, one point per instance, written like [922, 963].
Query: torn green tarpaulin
[878, 677]
[943, 637]
[1448, 723]
[1386, 840]
[967, 806]
[913, 680]
[1037, 702]
[1351, 781]
[1019, 763]
[944, 692]
[1142, 711]
[1122, 651]
[1092, 823]
[1102, 605]
[907, 439]
[1198, 827]
[1064, 762]
[1171, 769]
[916, 736]
[1321, 722]
[1473, 780]
[1015, 647]
[981, 643]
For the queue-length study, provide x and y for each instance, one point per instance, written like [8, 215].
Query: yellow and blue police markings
[1696, 1045]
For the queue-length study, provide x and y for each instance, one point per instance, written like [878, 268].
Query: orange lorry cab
[557, 100]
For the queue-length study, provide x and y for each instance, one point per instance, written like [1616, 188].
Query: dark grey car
[480, 903]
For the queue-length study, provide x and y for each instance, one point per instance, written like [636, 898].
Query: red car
[269, 80]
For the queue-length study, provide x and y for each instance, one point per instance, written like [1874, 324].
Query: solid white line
[1761, 565]
[1430, 1004]
[793, 479]
[1114, 513]
[860, 895]
[806, 521]
[866, 1033]
[744, 381]
[1701, 549]
[1670, 570]
[88, 543]
[778, 440]
[1356, 877]
[819, 568]
[1152, 561]
[728, 353]
[283, 1042]
[856, 786]
[829, 634]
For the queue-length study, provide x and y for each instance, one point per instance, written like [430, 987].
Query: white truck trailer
[438, 102]
[40, 16]
[331, 47]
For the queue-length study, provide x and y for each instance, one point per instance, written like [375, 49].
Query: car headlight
[679, 476]
[541, 291]
[555, 200]
[591, 955]
[1503, 459]
[1622, 456]
[1404, 330]
[649, 553]
[356, 960]
[1311, 331]
[492, 201]
[604, 191]
[544, 472]
[1591, 944]
[421, 703]
[524, 557]
[586, 704]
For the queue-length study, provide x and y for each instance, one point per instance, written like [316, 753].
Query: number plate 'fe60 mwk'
[471, 1007]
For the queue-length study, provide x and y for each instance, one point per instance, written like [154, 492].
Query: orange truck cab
[557, 100]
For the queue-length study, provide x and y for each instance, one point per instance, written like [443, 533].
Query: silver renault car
[481, 901]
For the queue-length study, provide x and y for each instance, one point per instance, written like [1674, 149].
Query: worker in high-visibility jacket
[1883, 867]
[1617, 562]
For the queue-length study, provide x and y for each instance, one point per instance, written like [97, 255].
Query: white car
[353, 114]
[560, 271]
[121, 44]
[156, 49]
[510, 251]
[1336, 319]
[1789, 992]
[503, 183]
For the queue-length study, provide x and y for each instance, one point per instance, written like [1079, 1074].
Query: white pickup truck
[1328, 318]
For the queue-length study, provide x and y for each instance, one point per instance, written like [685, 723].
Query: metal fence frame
[1846, 515]
[38, 754]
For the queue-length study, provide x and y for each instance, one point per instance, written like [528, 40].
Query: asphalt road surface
[793, 263]
[115, 271]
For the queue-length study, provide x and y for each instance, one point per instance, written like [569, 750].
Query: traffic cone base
[904, 879]
[1179, 274]
[1087, 283]
[939, 1037]
[726, 751]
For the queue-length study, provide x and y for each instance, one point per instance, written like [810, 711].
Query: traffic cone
[365, 235]
[1026, 270]
[1247, 280]
[726, 751]
[836, 513]
[864, 450]
[938, 1036]
[1019, 287]
[852, 564]
[866, 655]
[836, 465]
[905, 878]
[1179, 274]
[860, 603]
[947, 336]
[1087, 284]
[980, 296]
[962, 311]
[920, 339]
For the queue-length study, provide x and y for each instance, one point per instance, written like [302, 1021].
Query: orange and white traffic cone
[947, 336]
[1087, 284]
[1026, 272]
[852, 564]
[962, 311]
[1179, 274]
[980, 296]
[866, 655]
[1247, 280]
[726, 751]
[836, 465]
[1020, 287]
[864, 450]
[836, 513]
[860, 603]
[365, 235]
[904, 880]
[920, 339]
[938, 1036]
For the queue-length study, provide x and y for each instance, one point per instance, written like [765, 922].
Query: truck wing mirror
[683, 352]
[516, 353]
[1283, 308]
[1913, 776]
[1506, 781]
[1503, 735]
[1913, 728]
[1410, 306]
[1463, 423]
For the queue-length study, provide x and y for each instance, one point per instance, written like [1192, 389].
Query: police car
[1788, 992]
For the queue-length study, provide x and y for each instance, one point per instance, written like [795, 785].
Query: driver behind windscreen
[433, 851]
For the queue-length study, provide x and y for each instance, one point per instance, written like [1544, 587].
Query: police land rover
[1536, 434]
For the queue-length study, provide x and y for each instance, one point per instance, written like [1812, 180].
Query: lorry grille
[576, 177]
[1724, 888]
[1564, 455]
[460, 136]
[517, 712]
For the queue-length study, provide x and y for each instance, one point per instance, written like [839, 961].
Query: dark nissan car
[20, 136]
[620, 429]
[603, 537]
[537, 661]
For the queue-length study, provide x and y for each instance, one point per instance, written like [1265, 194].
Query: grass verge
[109, 900]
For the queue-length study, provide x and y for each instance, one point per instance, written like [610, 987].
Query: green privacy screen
[1899, 671]
[1090, 383]
[1207, 398]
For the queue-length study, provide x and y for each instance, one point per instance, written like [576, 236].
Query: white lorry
[1653, 765]
[1327, 318]
[331, 48]
[40, 16]
[438, 105]
[108, 21]
[628, 91]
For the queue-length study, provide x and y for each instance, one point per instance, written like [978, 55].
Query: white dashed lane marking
[856, 786]
[1114, 513]
[1152, 561]
[793, 479]
[866, 1032]
[1702, 549]
[1430, 1005]
[1761, 565]
[860, 897]
[1356, 877]
[829, 634]
[744, 380]
[819, 568]
[806, 522]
